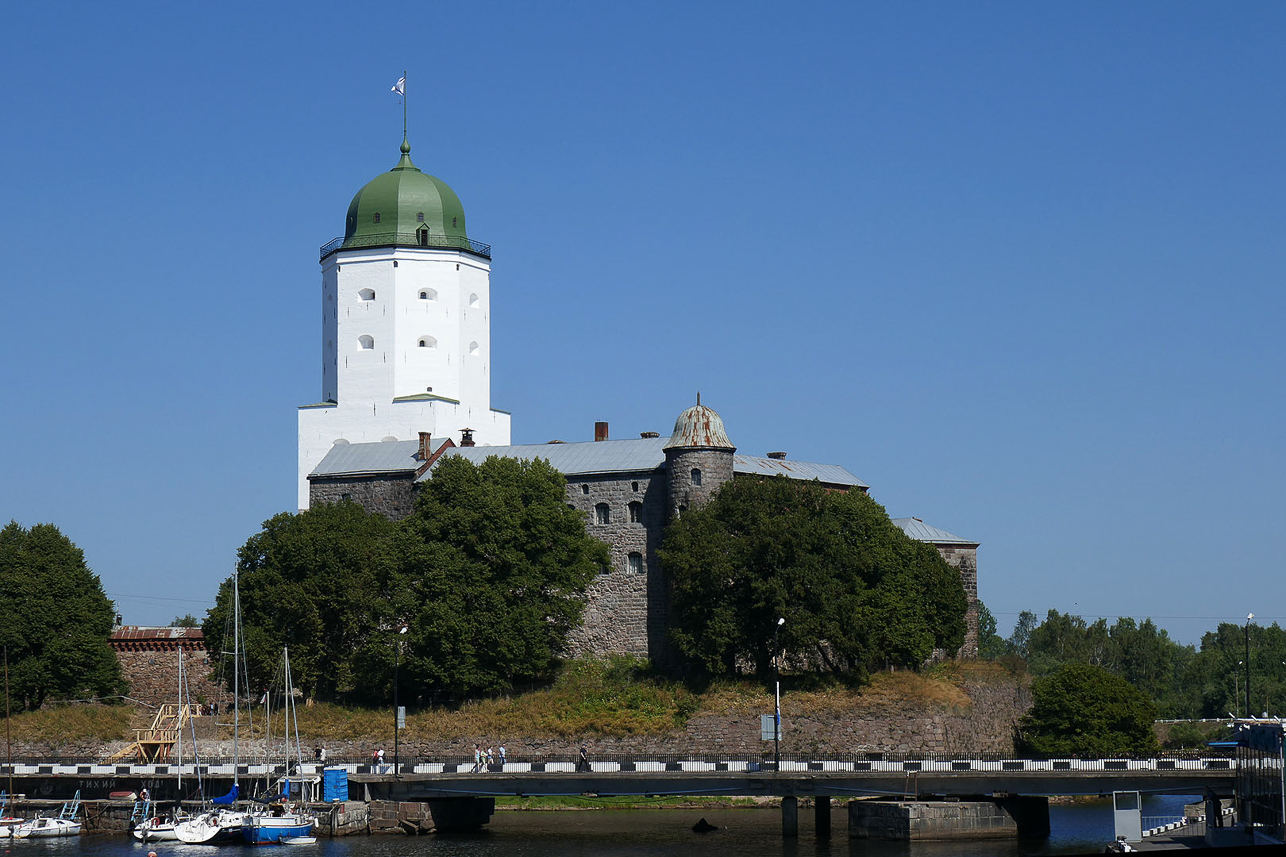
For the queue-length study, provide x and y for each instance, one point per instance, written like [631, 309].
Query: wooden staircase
[155, 743]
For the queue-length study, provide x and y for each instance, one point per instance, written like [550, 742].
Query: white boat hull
[45, 828]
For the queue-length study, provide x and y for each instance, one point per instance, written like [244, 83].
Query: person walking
[582, 764]
[504, 754]
[477, 758]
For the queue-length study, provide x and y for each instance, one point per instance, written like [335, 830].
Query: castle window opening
[602, 514]
[636, 563]
[696, 477]
[634, 486]
[366, 295]
[366, 342]
[584, 489]
[428, 342]
[419, 217]
[376, 218]
[636, 512]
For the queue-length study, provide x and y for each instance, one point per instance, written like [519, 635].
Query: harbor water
[1080, 828]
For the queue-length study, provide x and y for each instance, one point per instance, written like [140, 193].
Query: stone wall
[393, 496]
[966, 560]
[715, 467]
[625, 611]
[153, 675]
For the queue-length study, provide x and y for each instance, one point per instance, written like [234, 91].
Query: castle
[406, 371]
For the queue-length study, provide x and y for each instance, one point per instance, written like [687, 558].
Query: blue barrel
[334, 784]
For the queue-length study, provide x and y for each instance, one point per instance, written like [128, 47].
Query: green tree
[185, 621]
[990, 644]
[321, 581]
[54, 619]
[1084, 710]
[1017, 642]
[856, 592]
[492, 571]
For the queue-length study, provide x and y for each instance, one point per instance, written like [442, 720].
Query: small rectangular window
[602, 514]
[636, 563]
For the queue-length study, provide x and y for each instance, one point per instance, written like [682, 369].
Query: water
[1082, 828]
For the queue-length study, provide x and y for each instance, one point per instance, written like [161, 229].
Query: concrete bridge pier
[790, 816]
[822, 816]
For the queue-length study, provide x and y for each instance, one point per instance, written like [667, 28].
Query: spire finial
[698, 397]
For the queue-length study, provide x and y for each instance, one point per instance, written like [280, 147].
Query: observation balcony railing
[420, 238]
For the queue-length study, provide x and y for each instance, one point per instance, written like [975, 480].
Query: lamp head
[781, 621]
[1250, 616]
[402, 630]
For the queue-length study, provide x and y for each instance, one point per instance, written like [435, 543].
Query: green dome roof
[393, 207]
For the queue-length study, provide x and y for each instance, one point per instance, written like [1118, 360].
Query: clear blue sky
[1017, 266]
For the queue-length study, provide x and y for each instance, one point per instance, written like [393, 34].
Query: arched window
[473, 300]
[602, 514]
[376, 218]
[636, 563]
[428, 295]
[453, 221]
[634, 486]
[427, 342]
[366, 342]
[696, 478]
[366, 295]
[419, 217]
[473, 349]
[636, 512]
[584, 489]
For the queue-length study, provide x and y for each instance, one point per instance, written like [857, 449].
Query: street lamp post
[776, 677]
[1249, 616]
[397, 650]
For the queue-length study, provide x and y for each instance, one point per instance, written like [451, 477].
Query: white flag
[400, 86]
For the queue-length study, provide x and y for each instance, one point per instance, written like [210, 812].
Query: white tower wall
[378, 381]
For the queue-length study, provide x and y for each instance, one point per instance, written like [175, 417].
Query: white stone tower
[406, 323]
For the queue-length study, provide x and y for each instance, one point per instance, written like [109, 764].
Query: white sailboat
[283, 822]
[64, 824]
[224, 821]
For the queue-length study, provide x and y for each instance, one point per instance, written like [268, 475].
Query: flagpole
[403, 104]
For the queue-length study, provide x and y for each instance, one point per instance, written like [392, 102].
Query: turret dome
[405, 206]
[699, 427]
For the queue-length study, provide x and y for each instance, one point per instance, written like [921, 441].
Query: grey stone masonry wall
[153, 676]
[714, 465]
[966, 560]
[392, 495]
[626, 611]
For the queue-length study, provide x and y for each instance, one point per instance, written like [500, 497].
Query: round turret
[698, 458]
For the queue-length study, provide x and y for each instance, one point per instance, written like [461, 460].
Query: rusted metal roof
[147, 637]
[699, 426]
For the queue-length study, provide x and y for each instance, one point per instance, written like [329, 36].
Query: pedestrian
[379, 759]
[504, 754]
[491, 756]
[317, 754]
[477, 758]
[582, 764]
[144, 795]
[321, 755]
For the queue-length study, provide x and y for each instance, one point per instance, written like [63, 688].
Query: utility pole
[1249, 712]
[397, 712]
[776, 676]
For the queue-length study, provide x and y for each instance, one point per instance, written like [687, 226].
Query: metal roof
[700, 427]
[354, 459]
[578, 459]
[920, 531]
[831, 474]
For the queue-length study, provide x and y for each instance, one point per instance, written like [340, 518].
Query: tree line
[1182, 681]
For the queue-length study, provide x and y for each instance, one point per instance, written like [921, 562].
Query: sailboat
[282, 823]
[223, 821]
[153, 827]
[65, 824]
[8, 823]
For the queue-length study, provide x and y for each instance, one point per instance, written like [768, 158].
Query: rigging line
[158, 598]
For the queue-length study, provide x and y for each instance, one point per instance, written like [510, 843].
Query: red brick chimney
[426, 446]
[600, 431]
[466, 437]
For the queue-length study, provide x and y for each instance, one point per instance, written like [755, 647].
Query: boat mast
[182, 711]
[236, 673]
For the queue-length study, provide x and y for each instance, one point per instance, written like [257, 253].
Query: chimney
[466, 437]
[426, 446]
[600, 431]
[649, 434]
[777, 455]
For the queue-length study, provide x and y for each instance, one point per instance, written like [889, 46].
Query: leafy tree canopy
[185, 621]
[54, 619]
[1084, 710]
[856, 592]
[487, 575]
